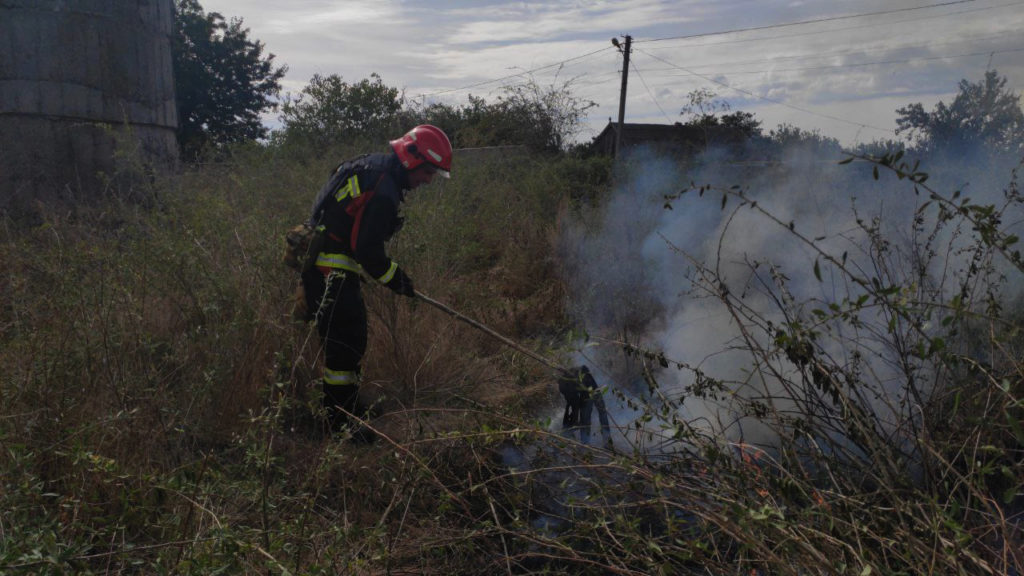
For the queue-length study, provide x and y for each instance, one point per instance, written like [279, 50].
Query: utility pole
[622, 92]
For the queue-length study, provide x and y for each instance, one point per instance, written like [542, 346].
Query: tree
[789, 137]
[330, 110]
[540, 117]
[743, 122]
[706, 112]
[447, 117]
[543, 117]
[703, 109]
[222, 80]
[985, 113]
[879, 147]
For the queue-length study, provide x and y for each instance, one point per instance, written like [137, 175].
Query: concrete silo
[80, 79]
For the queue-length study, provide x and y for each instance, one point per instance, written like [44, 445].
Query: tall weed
[159, 404]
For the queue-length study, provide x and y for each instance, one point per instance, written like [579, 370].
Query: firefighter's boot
[339, 402]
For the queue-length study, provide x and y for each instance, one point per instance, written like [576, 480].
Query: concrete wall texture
[78, 77]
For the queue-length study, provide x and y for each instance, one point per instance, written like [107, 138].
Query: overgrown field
[158, 403]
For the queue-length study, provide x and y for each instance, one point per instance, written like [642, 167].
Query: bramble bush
[860, 415]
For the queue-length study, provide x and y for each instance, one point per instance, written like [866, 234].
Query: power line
[818, 55]
[804, 22]
[880, 62]
[709, 34]
[651, 94]
[819, 32]
[516, 75]
[766, 99]
[852, 65]
[691, 72]
[989, 53]
[597, 79]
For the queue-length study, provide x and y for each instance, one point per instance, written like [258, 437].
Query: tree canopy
[330, 110]
[223, 81]
[983, 113]
[530, 114]
[705, 110]
[788, 136]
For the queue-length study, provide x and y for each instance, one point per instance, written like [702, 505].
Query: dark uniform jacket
[358, 209]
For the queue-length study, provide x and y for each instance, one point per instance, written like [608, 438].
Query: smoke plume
[649, 268]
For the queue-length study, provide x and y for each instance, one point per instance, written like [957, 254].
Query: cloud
[320, 16]
[463, 64]
[822, 68]
[530, 22]
[358, 13]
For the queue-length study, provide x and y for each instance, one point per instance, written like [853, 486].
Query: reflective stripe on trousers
[340, 377]
[342, 325]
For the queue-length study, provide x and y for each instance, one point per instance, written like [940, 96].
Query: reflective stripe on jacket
[358, 207]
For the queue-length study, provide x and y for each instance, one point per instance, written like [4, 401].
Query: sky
[841, 67]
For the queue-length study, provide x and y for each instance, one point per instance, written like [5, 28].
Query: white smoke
[635, 269]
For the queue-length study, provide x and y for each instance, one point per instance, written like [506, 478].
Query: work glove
[402, 284]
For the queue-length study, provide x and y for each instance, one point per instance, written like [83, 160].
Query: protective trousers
[582, 395]
[341, 322]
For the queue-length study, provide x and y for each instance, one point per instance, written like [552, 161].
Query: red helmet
[424, 143]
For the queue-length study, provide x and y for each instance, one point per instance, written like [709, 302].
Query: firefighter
[357, 211]
[581, 396]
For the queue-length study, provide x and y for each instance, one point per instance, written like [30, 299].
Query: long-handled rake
[507, 341]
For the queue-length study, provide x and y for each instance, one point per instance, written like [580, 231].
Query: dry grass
[158, 405]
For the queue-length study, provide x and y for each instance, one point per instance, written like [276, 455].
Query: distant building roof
[686, 139]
